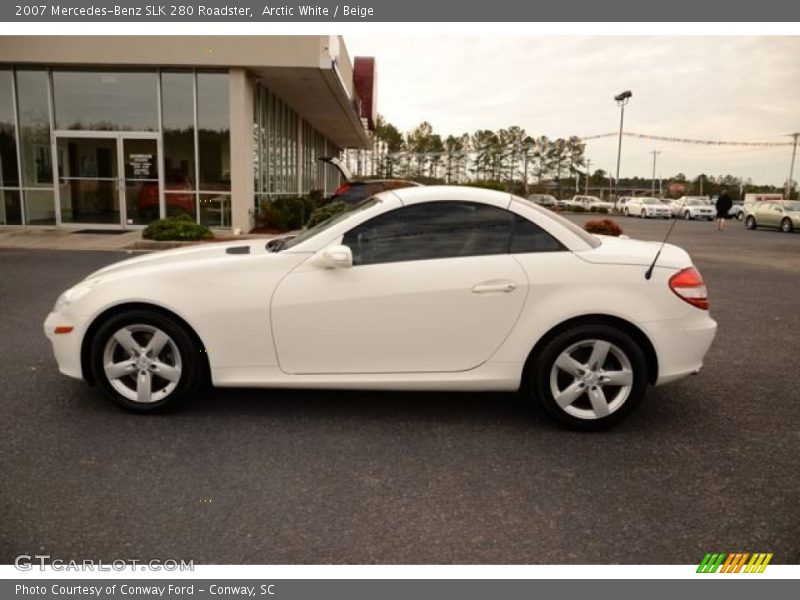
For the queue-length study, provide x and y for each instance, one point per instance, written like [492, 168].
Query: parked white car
[693, 207]
[647, 208]
[589, 202]
[424, 288]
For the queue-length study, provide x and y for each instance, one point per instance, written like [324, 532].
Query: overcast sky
[734, 88]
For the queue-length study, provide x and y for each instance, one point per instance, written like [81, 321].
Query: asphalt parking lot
[711, 463]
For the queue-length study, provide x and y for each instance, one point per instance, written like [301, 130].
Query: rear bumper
[681, 344]
[66, 346]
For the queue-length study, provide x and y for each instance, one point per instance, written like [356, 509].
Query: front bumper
[681, 344]
[66, 346]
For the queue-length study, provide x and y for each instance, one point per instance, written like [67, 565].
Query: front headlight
[70, 296]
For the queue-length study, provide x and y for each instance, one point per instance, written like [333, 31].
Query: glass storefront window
[39, 207]
[177, 118]
[10, 208]
[34, 123]
[215, 210]
[105, 100]
[180, 203]
[8, 140]
[213, 122]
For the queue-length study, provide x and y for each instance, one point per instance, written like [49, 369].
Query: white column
[241, 117]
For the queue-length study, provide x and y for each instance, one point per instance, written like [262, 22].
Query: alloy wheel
[591, 379]
[142, 363]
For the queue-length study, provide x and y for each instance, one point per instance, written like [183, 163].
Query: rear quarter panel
[563, 286]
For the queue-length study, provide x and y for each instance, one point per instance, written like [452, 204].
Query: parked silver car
[783, 215]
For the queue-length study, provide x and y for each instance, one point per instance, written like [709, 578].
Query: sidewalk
[53, 238]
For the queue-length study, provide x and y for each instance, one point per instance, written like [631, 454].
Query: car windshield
[326, 224]
[793, 206]
[587, 237]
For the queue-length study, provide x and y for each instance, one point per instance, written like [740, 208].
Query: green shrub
[323, 213]
[180, 228]
[603, 227]
[284, 214]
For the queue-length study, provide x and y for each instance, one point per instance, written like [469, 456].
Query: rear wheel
[750, 222]
[739, 216]
[145, 362]
[786, 226]
[589, 377]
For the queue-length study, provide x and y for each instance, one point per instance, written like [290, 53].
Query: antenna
[649, 273]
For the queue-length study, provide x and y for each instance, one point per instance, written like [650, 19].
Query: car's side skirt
[490, 376]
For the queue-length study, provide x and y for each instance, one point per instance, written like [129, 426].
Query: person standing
[723, 205]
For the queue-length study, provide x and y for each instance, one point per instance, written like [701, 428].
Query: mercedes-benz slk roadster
[423, 288]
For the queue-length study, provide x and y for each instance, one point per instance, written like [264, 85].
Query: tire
[546, 380]
[740, 216]
[168, 374]
[786, 226]
[687, 215]
[750, 222]
[644, 214]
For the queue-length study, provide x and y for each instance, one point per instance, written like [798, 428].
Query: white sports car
[427, 288]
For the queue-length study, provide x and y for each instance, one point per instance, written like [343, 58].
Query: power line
[684, 140]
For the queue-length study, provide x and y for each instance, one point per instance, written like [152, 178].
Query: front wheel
[786, 226]
[750, 222]
[589, 377]
[687, 215]
[739, 216]
[145, 362]
[644, 214]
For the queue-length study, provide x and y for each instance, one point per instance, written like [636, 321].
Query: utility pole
[588, 174]
[655, 153]
[791, 168]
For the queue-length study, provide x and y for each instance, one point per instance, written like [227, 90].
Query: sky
[711, 88]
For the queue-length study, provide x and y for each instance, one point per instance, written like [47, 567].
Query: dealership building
[114, 132]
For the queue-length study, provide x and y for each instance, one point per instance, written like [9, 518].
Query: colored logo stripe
[711, 562]
[734, 562]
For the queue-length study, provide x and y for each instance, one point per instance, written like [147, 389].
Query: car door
[432, 288]
[765, 214]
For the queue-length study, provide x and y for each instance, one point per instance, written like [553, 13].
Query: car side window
[447, 229]
[529, 237]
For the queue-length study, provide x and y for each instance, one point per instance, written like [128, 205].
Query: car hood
[623, 251]
[186, 255]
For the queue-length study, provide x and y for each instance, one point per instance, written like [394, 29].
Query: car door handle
[494, 286]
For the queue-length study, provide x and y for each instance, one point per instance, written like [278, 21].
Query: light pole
[588, 174]
[655, 153]
[791, 168]
[621, 99]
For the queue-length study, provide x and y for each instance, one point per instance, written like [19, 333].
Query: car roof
[432, 193]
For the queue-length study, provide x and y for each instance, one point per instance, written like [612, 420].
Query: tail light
[342, 189]
[688, 285]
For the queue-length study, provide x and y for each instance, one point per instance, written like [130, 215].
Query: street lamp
[621, 99]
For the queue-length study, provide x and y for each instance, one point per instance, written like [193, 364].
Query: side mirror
[336, 257]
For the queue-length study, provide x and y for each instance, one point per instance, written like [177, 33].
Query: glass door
[108, 179]
[88, 180]
[141, 190]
